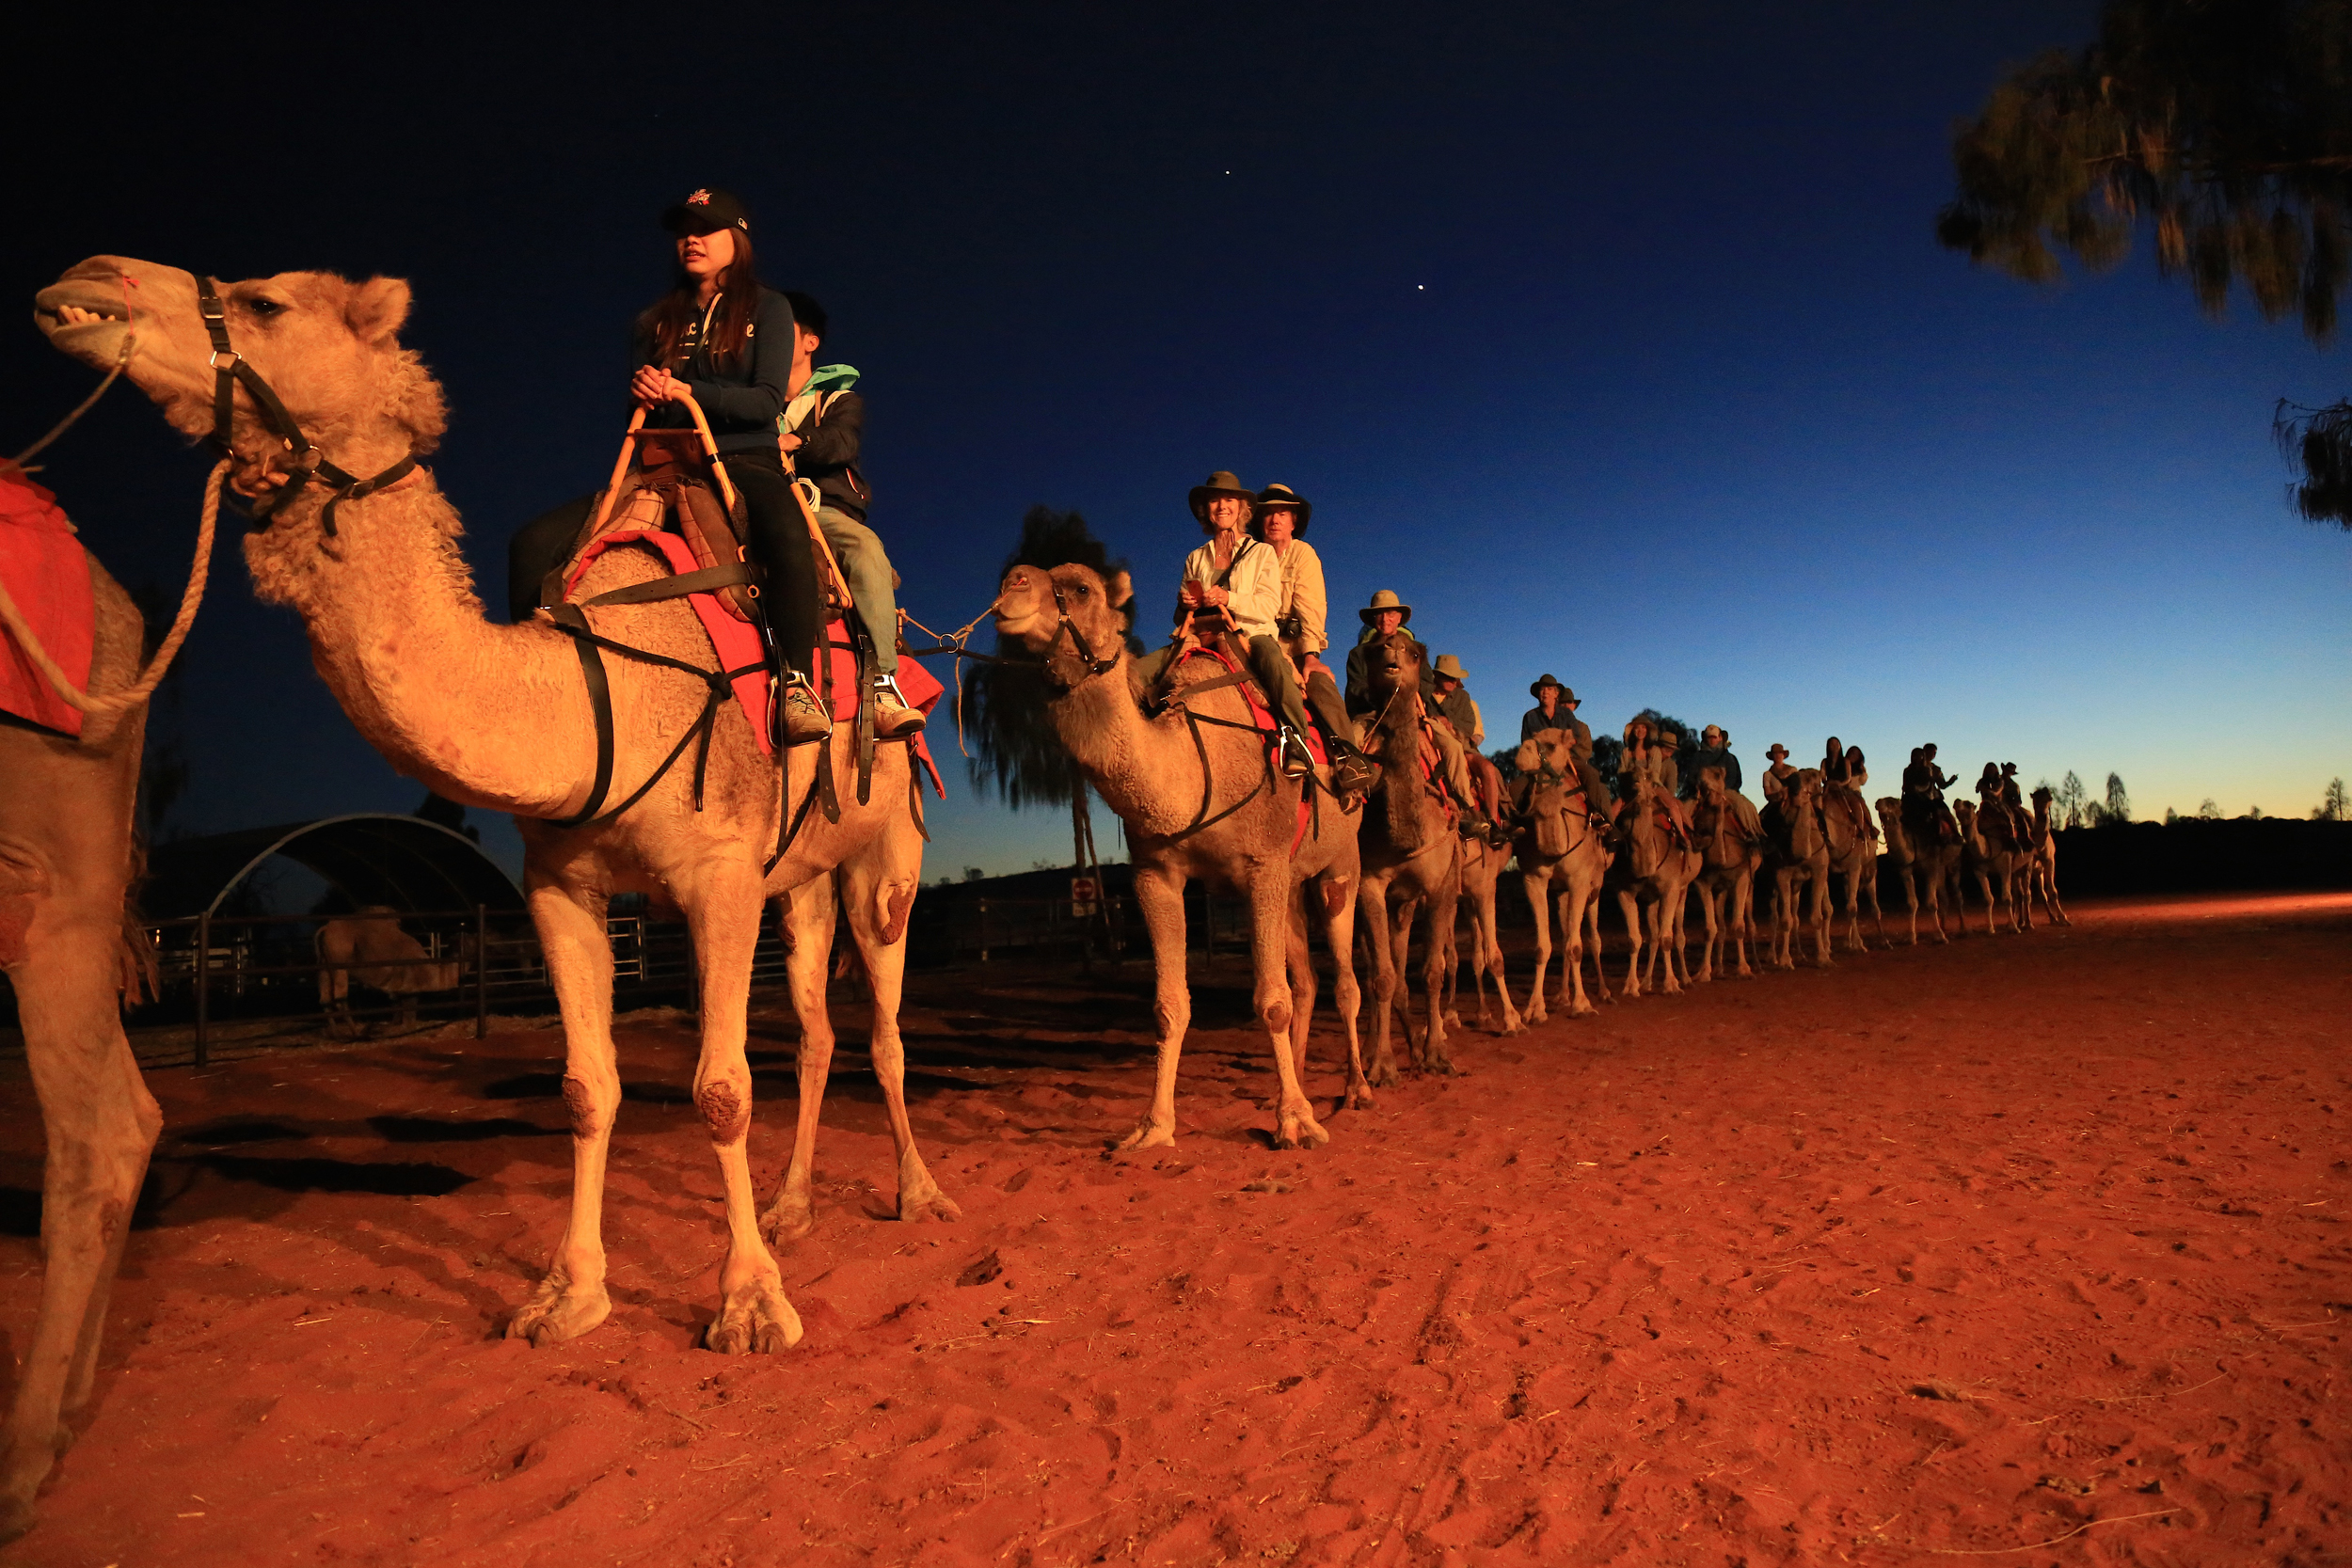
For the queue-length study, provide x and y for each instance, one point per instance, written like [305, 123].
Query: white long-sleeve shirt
[1254, 589]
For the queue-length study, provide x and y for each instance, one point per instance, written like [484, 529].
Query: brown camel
[1730, 841]
[1565, 843]
[1989, 851]
[1230, 827]
[369, 948]
[1922, 870]
[1853, 861]
[1651, 879]
[1412, 859]
[495, 716]
[65, 858]
[2041, 868]
[1482, 866]
[1796, 853]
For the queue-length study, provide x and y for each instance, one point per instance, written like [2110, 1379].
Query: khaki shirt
[1303, 596]
[1254, 589]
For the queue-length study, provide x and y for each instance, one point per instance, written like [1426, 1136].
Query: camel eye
[261, 305]
[1083, 590]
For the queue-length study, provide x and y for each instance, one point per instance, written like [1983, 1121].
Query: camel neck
[485, 715]
[1146, 772]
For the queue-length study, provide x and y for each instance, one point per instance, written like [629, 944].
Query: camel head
[1965, 811]
[1546, 751]
[1393, 662]
[1027, 613]
[328, 347]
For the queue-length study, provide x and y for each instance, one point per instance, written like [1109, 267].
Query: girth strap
[569, 619]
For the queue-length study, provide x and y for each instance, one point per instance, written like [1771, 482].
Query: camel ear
[1120, 589]
[377, 309]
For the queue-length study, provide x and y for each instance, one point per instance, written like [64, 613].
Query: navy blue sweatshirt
[740, 396]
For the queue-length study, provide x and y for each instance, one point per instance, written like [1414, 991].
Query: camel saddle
[668, 481]
[48, 576]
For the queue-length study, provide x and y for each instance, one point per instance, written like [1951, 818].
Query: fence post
[203, 982]
[983, 930]
[481, 971]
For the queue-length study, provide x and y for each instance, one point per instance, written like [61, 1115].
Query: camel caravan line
[642, 737]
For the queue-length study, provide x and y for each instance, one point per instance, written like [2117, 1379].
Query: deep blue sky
[1614, 336]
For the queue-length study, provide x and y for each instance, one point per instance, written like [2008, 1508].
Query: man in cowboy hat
[1776, 777]
[1386, 614]
[1714, 751]
[1280, 524]
[1459, 709]
[1555, 709]
[1234, 580]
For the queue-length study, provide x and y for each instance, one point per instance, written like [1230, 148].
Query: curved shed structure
[403, 862]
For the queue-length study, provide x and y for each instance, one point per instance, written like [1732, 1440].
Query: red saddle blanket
[737, 643]
[47, 574]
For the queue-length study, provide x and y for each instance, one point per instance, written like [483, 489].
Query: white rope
[190, 597]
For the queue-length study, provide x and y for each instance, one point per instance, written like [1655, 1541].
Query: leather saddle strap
[706, 579]
[600, 702]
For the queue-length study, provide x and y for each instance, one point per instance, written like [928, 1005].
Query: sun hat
[1776, 750]
[1279, 496]
[1221, 483]
[1448, 665]
[1384, 599]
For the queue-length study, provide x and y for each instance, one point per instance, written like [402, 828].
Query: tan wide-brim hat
[1220, 483]
[1386, 600]
[1283, 497]
[1448, 665]
[1776, 750]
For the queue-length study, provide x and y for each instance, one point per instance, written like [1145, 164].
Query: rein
[306, 464]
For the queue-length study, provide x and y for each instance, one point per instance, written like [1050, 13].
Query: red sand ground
[1947, 1252]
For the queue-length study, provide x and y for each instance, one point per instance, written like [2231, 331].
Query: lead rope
[139, 690]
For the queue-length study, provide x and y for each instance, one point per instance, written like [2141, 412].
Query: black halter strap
[304, 463]
[1091, 665]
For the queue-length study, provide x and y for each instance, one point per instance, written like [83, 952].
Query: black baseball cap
[706, 212]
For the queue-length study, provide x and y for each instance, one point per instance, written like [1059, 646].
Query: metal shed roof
[404, 862]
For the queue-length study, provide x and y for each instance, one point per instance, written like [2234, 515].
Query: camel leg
[1294, 1124]
[1575, 906]
[1489, 927]
[878, 890]
[1744, 919]
[102, 1125]
[809, 911]
[1708, 899]
[1538, 888]
[1593, 938]
[1820, 919]
[1443, 901]
[1371, 908]
[1338, 932]
[1630, 910]
[570, 1299]
[1399, 937]
[1870, 886]
[723, 905]
[2050, 896]
[1160, 894]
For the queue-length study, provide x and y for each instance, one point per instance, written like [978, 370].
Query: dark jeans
[779, 545]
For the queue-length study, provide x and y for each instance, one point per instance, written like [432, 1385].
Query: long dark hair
[667, 318]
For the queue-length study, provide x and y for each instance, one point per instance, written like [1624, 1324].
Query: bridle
[1090, 666]
[304, 463]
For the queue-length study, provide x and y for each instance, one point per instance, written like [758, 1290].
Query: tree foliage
[2224, 127]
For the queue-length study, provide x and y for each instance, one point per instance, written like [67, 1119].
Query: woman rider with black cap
[721, 338]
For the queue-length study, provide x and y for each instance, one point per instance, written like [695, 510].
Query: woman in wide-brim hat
[1222, 483]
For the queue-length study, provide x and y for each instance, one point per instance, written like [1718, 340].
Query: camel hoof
[1454, 1019]
[16, 1516]
[788, 1221]
[1146, 1137]
[754, 1320]
[558, 1310]
[1299, 1130]
[1358, 1098]
[1383, 1076]
[928, 1203]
